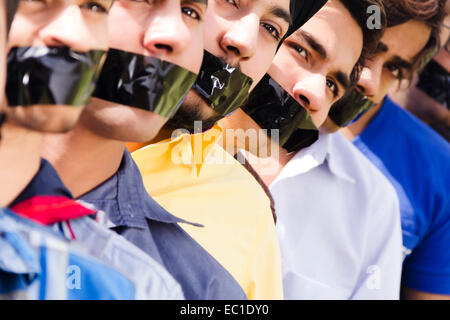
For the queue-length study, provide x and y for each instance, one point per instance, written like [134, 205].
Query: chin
[45, 118]
[121, 123]
[329, 126]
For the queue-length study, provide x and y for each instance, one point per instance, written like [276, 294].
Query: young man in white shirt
[338, 217]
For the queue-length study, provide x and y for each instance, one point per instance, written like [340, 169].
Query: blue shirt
[149, 279]
[138, 218]
[37, 263]
[417, 162]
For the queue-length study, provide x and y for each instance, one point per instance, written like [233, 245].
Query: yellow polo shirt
[193, 178]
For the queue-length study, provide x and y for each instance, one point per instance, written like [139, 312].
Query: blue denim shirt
[141, 220]
[37, 263]
[148, 278]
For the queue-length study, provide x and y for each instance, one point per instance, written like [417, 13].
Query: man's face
[78, 24]
[315, 63]
[245, 33]
[394, 59]
[171, 30]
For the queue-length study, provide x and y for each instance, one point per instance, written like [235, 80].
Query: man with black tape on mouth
[51, 75]
[320, 199]
[192, 176]
[156, 53]
[412, 156]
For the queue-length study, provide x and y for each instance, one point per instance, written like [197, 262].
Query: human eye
[395, 70]
[333, 87]
[94, 6]
[273, 31]
[233, 2]
[192, 13]
[300, 50]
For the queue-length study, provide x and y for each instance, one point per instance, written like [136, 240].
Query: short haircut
[430, 12]
[360, 13]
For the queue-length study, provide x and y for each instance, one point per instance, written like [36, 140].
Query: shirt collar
[126, 201]
[46, 182]
[323, 152]
[46, 200]
[189, 150]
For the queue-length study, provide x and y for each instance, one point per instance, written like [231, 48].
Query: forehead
[406, 40]
[336, 30]
[266, 6]
[61, 3]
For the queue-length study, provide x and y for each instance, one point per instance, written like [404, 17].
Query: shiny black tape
[51, 76]
[271, 107]
[143, 82]
[348, 108]
[434, 80]
[223, 87]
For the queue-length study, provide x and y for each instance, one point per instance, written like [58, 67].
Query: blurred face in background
[394, 59]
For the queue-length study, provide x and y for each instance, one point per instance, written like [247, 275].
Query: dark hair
[430, 12]
[11, 8]
[359, 11]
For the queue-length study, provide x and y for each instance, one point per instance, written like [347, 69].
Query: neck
[20, 159]
[83, 159]
[356, 128]
[269, 168]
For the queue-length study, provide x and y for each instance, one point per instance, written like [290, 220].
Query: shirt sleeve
[380, 276]
[427, 269]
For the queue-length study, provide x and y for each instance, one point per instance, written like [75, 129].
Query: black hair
[371, 37]
[11, 8]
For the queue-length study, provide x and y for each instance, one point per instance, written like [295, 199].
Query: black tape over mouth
[143, 82]
[225, 88]
[349, 108]
[272, 108]
[434, 81]
[51, 76]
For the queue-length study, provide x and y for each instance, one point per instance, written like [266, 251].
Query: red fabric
[48, 210]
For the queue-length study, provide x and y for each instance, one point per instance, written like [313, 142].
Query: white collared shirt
[338, 225]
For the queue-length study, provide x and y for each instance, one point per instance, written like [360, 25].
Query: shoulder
[356, 165]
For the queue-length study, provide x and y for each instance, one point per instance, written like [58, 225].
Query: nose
[167, 34]
[310, 91]
[370, 79]
[240, 40]
[60, 31]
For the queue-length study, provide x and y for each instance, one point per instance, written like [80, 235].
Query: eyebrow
[314, 44]
[340, 76]
[382, 47]
[204, 2]
[281, 13]
[343, 79]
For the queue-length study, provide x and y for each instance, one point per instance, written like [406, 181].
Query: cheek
[193, 57]
[387, 83]
[23, 32]
[213, 27]
[98, 29]
[284, 71]
[258, 65]
[124, 31]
